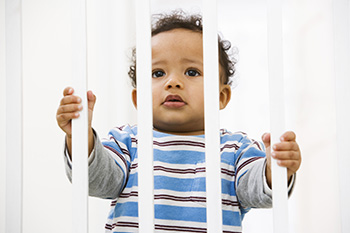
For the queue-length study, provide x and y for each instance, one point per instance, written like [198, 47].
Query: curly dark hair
[179, 19]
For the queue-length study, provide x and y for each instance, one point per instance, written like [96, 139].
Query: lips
[173, 101]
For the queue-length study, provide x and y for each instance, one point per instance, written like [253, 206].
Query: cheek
[198, 96]
[154, 89]
[156, 95]
[200, 91]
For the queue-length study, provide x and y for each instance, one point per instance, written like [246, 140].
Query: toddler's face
[177, 82]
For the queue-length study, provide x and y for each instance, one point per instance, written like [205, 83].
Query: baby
[178, 142]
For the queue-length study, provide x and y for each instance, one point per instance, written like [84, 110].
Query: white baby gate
[143, 30]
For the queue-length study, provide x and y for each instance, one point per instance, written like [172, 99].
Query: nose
[174, 81]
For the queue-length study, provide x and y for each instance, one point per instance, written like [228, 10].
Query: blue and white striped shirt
[179, 180]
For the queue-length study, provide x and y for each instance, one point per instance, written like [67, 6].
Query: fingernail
[273, 154]
[79, 100]
[80, 107]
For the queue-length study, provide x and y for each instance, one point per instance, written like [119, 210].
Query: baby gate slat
[144, 116]
[80, 125]
[341, 23]
[14, 118]
[277, 116]
[212, 126]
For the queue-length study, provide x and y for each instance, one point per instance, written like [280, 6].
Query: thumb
[266, 139]
[91, 100]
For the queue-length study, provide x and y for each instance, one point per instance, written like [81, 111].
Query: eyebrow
[186, 60]
[158, 63]
[193, 61]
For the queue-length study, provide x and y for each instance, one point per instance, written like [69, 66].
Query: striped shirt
[179, 180]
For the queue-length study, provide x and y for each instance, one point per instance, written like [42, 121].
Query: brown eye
[192, 73]
[157, 74]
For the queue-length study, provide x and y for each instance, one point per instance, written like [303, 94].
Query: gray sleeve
[253, 190]
[250, 190]
[105, 176]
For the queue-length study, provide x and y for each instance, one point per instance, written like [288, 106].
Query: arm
[105, 176]
[253, 183]
[250, 190]
[249, 175]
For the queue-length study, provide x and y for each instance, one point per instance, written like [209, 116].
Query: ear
[225, 95]
[134, 97]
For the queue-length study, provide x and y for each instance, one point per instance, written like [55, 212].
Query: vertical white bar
[211, 109]
[144, 116]
[342, 85]
[80, 125]
[14, 123]
[277, 117]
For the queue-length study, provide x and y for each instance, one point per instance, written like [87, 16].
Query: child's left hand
[286, 152]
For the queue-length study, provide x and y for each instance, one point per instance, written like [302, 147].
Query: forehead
[183, 40]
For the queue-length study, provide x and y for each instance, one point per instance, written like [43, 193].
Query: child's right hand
[69, 109]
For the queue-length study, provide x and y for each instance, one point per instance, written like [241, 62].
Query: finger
[65, 117]
[70, 108]
[68, 91]
[288, 136]
[292, 165]
[286, 146]
[70, 99]
[266, 139]
[286, 155]
[91, 100]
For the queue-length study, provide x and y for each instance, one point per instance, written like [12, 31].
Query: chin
[179, 128]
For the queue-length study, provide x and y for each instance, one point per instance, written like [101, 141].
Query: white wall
[310, 96]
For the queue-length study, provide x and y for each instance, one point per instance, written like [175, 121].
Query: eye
[158, 73]
[192, 73]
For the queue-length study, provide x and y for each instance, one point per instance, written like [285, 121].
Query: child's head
[177, 75]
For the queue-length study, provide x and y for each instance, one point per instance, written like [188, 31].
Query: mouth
[174, 101]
